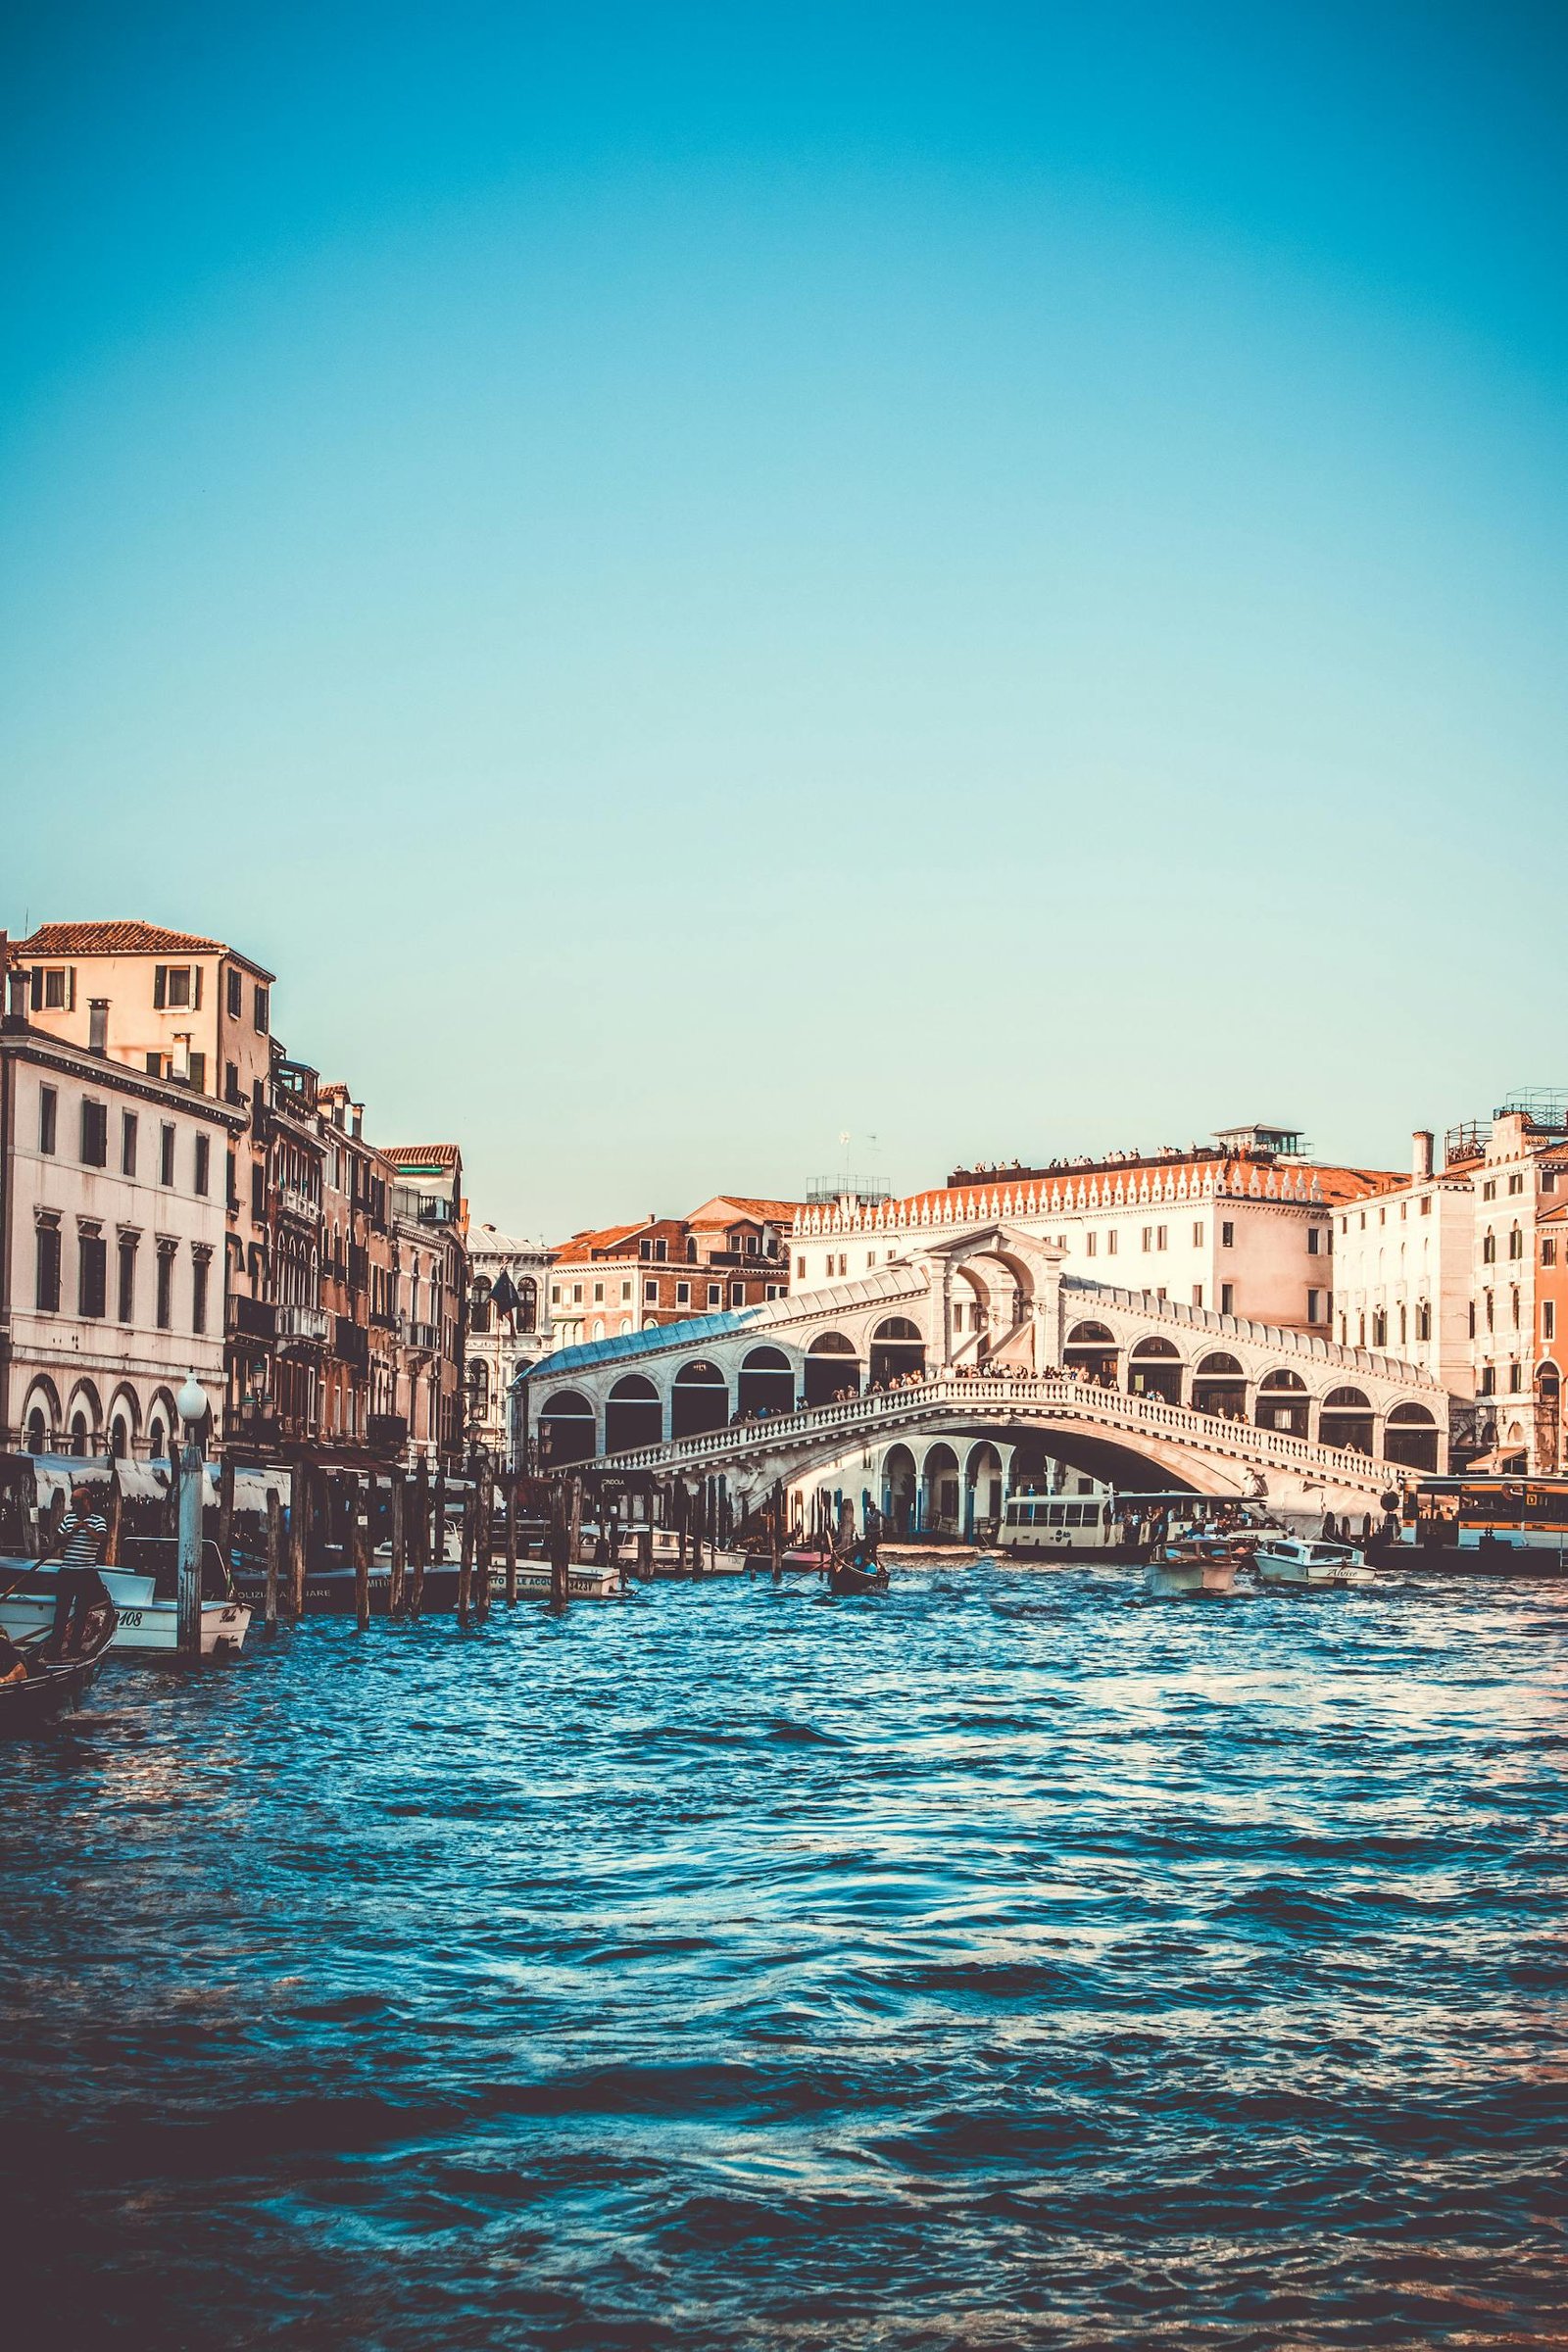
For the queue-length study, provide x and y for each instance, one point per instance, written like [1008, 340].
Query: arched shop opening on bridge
[633, 1414]
[766, 1382]
[1347, 1420]
[1154, 1369]
[1092, 1349]
[567, 1432]
[1411, 1437]
[1282, 1402]
[1219, 1385]
[831, 1367]
[898, 1349]
[699, 1400]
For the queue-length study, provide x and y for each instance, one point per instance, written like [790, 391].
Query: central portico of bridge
[981, 1338]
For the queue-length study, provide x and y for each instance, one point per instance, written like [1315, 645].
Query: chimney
[19, 983]
[97, 1024]
[182, 1057]
[357, 1114]
[1421, 1156]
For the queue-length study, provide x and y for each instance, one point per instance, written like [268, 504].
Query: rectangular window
[1315, 1240]
[1227, 1297]
[48, 1292]
[800, 1269]
[1426, 1204]
[555, 1293]
[127, 1143]
[126, 1305]
[625, 1293]
[1148, 1239]
[1227, 1236]
[1161, 1236]
[1198, 1294]
[48, 1118]
[203, 1169]
[1548, 1251]
[198, 1293]
[714, 1294]
[1489, 1381]
[59, 991]
[258, 1193]
[95, 1135]
[92, 1276]
[1197, 1237]
[737, 1293]
[1314, 1306]
[576, 1294]
[260, 1011]
[1110, 1243]
[683, 1294]
[1090, 1245]
[599, 1294]
[177, 986]
[1515, 1378]
[650, 1293]
[165, 1284]
[1489, 1191]
[1548, 1180]
[1548, 1318]
[166, 1156]
[198, 1073]
[1516, 1183]
[235, 995]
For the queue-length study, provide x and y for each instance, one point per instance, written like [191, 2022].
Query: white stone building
[509, 1329]
[1402, 1269]
[113, 1214]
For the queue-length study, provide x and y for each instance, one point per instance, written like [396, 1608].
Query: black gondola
[55, 1684]
[845, 1577]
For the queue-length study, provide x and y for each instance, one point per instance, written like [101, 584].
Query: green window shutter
[160, 986]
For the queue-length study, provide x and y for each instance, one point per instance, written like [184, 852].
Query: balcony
[295, 1204]
[386, 1432]
[251, 1318]
[383, 1319]
[303, 1326]
[351, 1343]
[423, 1337]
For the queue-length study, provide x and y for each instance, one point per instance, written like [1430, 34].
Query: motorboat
[31, 1702]
[1293, 1565]
[535, 1583]
[664, 1554]
[145, 1596]
[1196, 1568]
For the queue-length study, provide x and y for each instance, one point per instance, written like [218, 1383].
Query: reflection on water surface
[1004, 1963]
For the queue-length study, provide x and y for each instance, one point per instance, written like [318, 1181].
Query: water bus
[1491, 1524]
[1105, 1526]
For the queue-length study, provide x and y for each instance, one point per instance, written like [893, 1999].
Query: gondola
[55, 1684]
[845, 1577]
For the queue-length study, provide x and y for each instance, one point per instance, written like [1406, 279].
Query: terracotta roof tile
[425, 1155]
[129, 938]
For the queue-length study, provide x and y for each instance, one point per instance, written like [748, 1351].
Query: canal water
[1007, 1962]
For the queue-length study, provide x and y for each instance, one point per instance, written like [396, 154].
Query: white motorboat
[664, 1557]
[1292, 1563]
[582, 1584]
[147, 1619]
[1192, 1570]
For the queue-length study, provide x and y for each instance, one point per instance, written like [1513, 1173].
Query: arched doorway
[157, 1441]
[1282, 1402]
[37, 1431]
[1410, 1435]
[633, 1414]
[1154, 1369]
[1091, 1349]
[898, 1486]
[831, 1365]
[766, 1383]
[1347, 1420]
[939, 1478]
[982, 1491]
[699, 1400]
[567, 1432]
[1219, 1385]
[898, 1349]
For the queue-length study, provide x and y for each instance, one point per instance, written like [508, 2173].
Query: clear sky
[695, 578]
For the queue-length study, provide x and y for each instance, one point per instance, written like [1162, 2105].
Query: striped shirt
[83, 1539]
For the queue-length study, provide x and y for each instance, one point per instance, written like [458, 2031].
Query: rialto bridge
[942, 1380]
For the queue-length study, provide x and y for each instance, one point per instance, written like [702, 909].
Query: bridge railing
[1053, 1398]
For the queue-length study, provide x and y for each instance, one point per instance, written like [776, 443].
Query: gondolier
[83, 1533]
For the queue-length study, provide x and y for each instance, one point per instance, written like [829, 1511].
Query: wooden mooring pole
[275, 1555]
[511, 1539]
[226, 1513]
[465, 1562]
[297, 1506]
[421, 1531]
[360, 1540]
[486, 1542]
[559, 1545]
[399, 1547]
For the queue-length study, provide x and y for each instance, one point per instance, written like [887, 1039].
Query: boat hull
[142, 1624]
[1189, 1579]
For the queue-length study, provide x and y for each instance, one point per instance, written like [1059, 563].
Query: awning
[1501, 1459]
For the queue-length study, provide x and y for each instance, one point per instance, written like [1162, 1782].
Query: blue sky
[697, 578]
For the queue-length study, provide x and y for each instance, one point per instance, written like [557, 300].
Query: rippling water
[1007, 1962]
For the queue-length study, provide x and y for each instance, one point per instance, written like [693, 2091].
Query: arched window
[699, 1400]
[37, 1431]
[633, 1414]
[898, 1352]
[566, 1430]
[766, 1383]
[831, 1367]
[1219, 1385]
[1347, 1420]
[1154, 1369]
